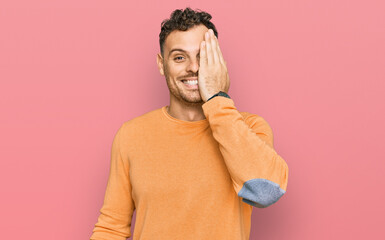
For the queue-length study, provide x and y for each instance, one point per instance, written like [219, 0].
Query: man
[196, 168]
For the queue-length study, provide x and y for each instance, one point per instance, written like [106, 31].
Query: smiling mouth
[190, 83]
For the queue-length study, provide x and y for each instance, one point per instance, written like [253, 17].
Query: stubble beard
[179, 93]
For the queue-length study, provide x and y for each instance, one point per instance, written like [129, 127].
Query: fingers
[214, 44]
[203, 54]
[214, 54]
[209, 52]
[221, 59]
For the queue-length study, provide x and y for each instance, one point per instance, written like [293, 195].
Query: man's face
[177, 65]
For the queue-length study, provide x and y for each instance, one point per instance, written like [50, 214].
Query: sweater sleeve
[114, 221]
[258, 173]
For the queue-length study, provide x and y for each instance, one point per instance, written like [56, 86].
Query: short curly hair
[183, 20]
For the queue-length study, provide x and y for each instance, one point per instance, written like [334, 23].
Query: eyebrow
[177, 49]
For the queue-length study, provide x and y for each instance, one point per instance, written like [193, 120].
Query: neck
[186, 112]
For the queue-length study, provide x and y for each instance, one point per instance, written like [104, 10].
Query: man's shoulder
[144, 120]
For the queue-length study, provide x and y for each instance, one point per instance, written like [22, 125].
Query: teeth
[191, 82]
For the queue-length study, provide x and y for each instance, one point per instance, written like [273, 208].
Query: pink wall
[72, 71]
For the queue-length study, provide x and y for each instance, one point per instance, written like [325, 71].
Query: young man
[196, 168]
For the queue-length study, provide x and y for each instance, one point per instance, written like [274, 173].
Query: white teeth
[191, 82]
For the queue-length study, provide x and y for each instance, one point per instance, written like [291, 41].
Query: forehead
[188, 40]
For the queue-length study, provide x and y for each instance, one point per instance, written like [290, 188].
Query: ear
[159, 60]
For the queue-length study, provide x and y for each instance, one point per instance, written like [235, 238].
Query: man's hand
[212, 75]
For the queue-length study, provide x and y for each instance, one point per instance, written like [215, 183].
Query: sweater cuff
[217, 104]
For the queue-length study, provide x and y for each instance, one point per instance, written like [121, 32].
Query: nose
[193, 65]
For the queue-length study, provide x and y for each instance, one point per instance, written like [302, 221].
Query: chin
[192, 100]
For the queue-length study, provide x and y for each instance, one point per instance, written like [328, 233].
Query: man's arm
[258, 173]
[114, 222]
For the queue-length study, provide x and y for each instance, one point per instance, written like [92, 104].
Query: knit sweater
[190, 180]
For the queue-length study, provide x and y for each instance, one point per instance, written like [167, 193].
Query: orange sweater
[190, 180]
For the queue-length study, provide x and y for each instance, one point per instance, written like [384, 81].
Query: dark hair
[183, 20]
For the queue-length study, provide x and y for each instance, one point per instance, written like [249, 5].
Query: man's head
[183, 20]
[184, 31]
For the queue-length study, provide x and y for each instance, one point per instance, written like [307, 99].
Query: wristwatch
[220, 93]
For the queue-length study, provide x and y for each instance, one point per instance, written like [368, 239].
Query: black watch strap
[220, 93]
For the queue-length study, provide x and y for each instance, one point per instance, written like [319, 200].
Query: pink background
[72, 71]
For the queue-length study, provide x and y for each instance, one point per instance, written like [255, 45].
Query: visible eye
[177, 57]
